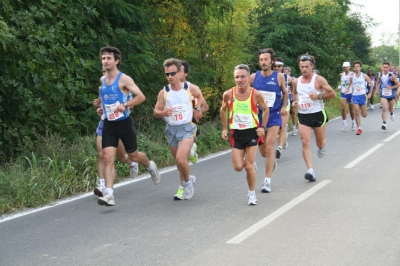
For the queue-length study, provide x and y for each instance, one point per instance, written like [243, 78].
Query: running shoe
[188, 189]
[384, 126]
[179, 194]
[310, 176]
[266, 188]
[255, 166]
[133, 171]
[155, 174]
[252, 199]
[353, 126]
[193, 154]
[392, 117]
[359, 131]
[344, 126]
[278, 152]
[106, 200]
[294, 131]
[98, 191]
[372, 107]
[321, 152]
[380, 106]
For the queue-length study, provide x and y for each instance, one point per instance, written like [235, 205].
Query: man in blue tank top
[386, 85]
[309, 92]
[118, 124]
[272, 86]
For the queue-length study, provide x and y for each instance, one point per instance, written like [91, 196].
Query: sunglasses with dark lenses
[306, 57]
[171, 73]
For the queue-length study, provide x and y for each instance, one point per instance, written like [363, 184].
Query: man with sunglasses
[371, 76]
[282, 137]
[174, 105]
[346, 95]
[309, 92]
[239, 107]
[272, 86]
[360, 95]
[118, 123]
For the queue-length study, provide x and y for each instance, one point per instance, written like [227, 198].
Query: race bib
[387, 92]
[112, 114]
[241, 121]
[305, 102]
[179, 113]
[269, 97]
[359, 89]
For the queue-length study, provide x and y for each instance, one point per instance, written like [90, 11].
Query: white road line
[7, 217]
[365, 155]
[392, 136]
[276, 214]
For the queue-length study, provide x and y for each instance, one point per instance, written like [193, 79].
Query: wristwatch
[320, 96]
[197, 109]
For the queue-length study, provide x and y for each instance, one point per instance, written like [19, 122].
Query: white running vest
[344, 81]
[359, 87]
[181, 103]
[305, 104]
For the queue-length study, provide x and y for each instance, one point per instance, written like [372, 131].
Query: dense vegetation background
[50, 67]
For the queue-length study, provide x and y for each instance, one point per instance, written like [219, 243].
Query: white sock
[133, 164]
[102, 182]
[280, 147]
[310, 170]
[252, 192]
[110, 191]
[150, 167]
[267, 179]
[353, 121]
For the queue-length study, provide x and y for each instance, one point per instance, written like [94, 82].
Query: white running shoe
[275, 166]
[278, 152]
[372, 107]
[321, 152]
[266, 188]
[344, 126]
[353, 126]
[98, 191]
[106, 200]
[188, 190]
[294, 131]
[392, 117]
[133, 171]
[155, 174]
[310, 176]
[252, 199]
[384, 126]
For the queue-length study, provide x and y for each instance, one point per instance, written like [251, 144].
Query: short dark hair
[111, 50]
[173, 61]
[267, 51]
[357, 62]
[186, 67]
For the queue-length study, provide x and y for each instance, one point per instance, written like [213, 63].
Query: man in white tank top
[174, 105]
[346, 95]
[309, 91]
[359, 94]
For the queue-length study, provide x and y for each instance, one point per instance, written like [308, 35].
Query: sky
[384, 12]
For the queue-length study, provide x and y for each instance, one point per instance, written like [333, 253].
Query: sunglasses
[171, 73]
[278, 66]
[306, 57]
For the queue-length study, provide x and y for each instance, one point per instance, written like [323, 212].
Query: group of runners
[256, 113]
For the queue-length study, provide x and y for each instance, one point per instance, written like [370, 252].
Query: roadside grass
[57, 169]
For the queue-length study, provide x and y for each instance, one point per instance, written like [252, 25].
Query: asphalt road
[350, 216]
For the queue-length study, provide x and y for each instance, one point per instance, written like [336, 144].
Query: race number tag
[305, 102]
[242, 121]
[269, 97]
[179, 113]
[360, 89]
[387, 92]
[112, 114]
